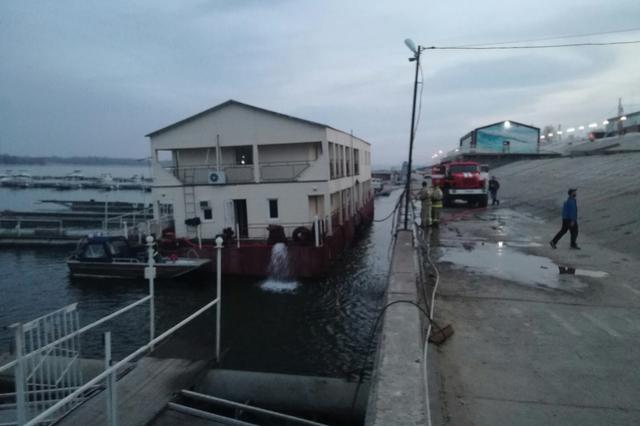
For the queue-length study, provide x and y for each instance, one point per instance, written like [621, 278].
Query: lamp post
[219, 242]
[416, 52]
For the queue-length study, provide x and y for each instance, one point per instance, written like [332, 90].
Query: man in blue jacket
[569, 221]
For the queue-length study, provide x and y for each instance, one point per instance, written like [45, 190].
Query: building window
[273, 209]
[207, 213]
[348, 160]
[244, 155]
[356, 162]
[165, 209]
[332, 161]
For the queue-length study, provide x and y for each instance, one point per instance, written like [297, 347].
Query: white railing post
[237, 235]
[111, 398]
[150, 274]
[18, 228]
[199, 232]
[316, 225]
[125, 229]
[218, 294]
[21, 415]
[106, 217]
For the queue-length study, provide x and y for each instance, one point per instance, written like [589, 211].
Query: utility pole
[620, 119]
[416, 51]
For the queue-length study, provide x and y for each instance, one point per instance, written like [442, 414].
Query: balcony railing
[199, 174]
[283, 171]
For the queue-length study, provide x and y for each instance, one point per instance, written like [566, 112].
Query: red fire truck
[462, 180]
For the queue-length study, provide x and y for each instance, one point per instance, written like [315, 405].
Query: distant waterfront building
[391, 176]
[623, 124]
[243, 167]
[506, 137]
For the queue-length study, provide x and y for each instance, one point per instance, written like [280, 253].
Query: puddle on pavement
[502, 261]
[521, 244]
[568, 270]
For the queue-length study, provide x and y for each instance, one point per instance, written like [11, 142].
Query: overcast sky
[93, 77]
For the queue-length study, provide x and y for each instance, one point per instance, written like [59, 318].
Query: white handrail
[113, 369]
[234, 404]
[84, 329]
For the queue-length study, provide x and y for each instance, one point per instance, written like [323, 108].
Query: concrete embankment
[543, 336]
[608, 194]
[398, 393]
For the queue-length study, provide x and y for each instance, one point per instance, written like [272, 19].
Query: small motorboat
[114, 257]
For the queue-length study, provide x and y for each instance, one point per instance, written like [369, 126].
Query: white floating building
[242, 167]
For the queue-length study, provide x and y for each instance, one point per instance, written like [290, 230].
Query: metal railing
[282, 171]
[260, 231]
[49, 227]
[111, 369]
[25, 226]
[121, 222]
[199, 174]
[25, 361]
[286, 418]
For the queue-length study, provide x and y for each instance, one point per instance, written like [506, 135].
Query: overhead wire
[539, 46]
[534, 40]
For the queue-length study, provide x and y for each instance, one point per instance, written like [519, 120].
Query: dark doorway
[244, 155]
[240, 211]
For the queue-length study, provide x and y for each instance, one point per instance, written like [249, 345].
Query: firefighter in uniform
[436, 204]
[425, 213]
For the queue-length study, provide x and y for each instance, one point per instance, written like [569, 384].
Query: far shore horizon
[18, 160]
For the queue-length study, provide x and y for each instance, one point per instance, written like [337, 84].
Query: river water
[319, 327]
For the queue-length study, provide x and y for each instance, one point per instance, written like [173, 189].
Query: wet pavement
[542, 336]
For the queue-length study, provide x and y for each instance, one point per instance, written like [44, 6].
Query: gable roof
[228, 103]
[504, 121]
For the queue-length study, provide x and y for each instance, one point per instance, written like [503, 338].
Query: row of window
[207, 210]
[340, 158]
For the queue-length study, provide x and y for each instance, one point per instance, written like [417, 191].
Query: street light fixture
[416, 57]
[411, 45]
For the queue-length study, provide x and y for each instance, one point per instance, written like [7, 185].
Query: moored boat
[114, 257]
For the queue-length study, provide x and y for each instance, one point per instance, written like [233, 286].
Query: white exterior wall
[364, 150]
[197, 157]
[301, 152]
[293, 205]
[274, 139]
[237, 126]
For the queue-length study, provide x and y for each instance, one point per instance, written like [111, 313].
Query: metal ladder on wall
[189, 198]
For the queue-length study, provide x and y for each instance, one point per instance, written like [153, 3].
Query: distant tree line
[89, 161]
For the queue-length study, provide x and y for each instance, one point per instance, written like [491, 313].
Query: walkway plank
[143, 393]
